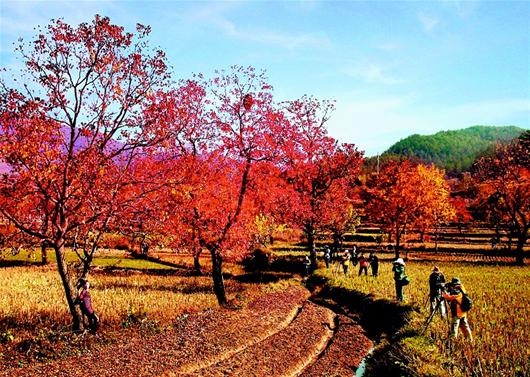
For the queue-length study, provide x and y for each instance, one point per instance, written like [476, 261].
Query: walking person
[85, 303]
[363, 265]
[455, 297]
[374, 264]
[400, 279]
[436, 284]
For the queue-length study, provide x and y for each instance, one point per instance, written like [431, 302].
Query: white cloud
[428, 22]
[372, 74]
[214, 15]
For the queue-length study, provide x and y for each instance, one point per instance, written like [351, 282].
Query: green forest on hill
[455, 150]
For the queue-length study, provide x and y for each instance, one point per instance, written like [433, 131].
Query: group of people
[441, 295]
[351, 256]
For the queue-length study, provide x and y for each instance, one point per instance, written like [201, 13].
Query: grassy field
[133, 295]
[499, 317]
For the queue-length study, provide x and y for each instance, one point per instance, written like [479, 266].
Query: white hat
[399, 261]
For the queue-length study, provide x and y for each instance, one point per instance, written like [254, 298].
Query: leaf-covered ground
[278, 334]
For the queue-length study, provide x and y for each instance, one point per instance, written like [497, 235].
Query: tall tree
[93, 98]
[504, 189]
[315, 164]
[437, 207]
[405, 196]
[238, 128]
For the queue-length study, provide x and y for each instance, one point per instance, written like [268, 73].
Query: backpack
[466, 303]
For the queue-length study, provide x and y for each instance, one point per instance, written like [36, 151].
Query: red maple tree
[504, 189]
[93, 97]
[228, 136]
[315, 166]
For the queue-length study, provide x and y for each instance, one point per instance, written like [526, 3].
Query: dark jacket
[436, 281]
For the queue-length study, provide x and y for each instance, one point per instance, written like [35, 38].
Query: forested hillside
[454, 150]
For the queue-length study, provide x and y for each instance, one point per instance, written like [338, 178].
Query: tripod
[439, 302]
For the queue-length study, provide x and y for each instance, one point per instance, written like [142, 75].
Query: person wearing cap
[399, 277]
[454, 297]
[85, 303]
[436, 284]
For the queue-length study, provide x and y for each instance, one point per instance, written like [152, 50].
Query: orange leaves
[504, 189]
[405, 196]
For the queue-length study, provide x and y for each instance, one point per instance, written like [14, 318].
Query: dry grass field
[499, 317]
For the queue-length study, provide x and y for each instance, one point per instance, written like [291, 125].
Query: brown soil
[278, 334]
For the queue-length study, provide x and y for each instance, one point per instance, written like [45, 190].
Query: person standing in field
[345, 261]
[436, 284]
[400, 279]
[374, 264]
[353, 257]
[455, 296]
[85, 303]
[363, 265]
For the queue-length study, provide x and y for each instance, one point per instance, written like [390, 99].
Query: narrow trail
[278, 334]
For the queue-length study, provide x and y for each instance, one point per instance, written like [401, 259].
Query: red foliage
[320, 172]
[98, 99]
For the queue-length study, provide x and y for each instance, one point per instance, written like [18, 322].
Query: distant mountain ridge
[454, 150]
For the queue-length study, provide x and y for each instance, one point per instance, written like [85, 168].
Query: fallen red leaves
[277, 334]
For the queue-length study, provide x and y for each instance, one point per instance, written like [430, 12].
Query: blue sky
[394, 68]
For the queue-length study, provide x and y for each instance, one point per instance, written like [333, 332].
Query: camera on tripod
[447, 286]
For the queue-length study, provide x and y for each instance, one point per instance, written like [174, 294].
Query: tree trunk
[310, 234]
[397, 248]
[521, 240]
[436, 238]
[44, 253]
[398, 240]
[196, 261]
[69, 288]
[217, 276]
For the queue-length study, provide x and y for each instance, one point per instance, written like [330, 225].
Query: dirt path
[279, 334]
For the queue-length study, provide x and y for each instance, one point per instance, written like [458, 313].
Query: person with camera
[454, 293]
[400, 279]
[436, 284]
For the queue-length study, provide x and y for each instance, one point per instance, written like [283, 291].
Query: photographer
[400, 279]
[436, 285]
[454, 293]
